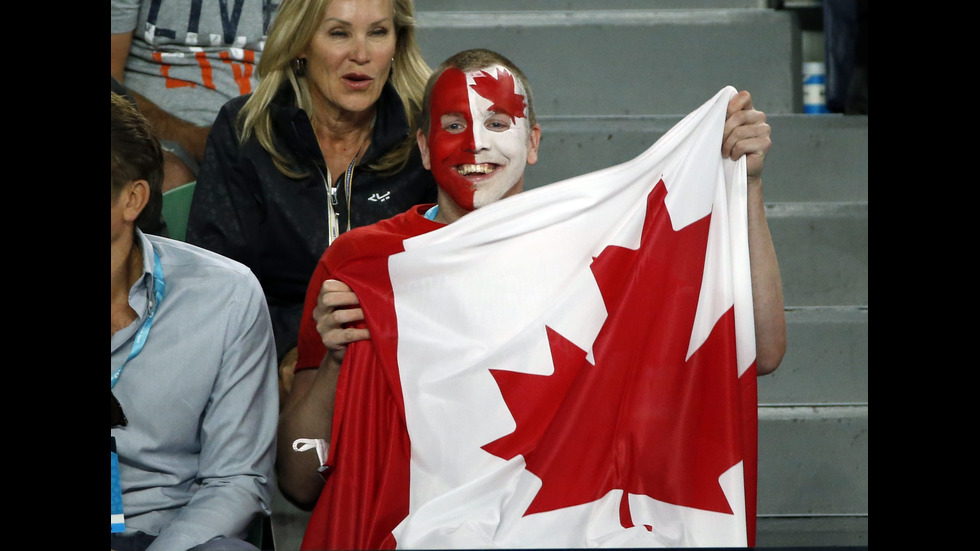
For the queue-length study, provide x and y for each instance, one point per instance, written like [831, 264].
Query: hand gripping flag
[573, 366]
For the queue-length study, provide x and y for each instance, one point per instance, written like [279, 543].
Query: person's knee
[175, 172]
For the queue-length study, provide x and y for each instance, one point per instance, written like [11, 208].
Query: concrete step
[837, 532]
[826, 361]
[813, 433]
[813, 461]
[814, 157]
[823, 252]
[621, 62]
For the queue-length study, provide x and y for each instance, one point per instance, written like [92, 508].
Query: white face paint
[501, 138]
[480, 135]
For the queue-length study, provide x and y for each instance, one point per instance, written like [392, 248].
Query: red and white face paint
[479, 134]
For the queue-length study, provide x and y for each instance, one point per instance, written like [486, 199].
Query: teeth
[483, 168]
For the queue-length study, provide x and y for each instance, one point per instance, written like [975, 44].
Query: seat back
[177, 208]
[260, 533]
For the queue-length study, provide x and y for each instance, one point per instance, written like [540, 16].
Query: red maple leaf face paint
[478, 141]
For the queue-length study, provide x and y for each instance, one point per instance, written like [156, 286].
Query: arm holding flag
[747, 133]
[308, 413]
[308, 408]
[337, 307]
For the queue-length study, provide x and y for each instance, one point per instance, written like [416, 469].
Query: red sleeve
[309, 346]
[363, 244]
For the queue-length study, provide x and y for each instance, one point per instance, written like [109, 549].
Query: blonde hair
[295, 24]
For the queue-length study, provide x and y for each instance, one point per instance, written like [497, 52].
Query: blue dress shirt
[201, 397]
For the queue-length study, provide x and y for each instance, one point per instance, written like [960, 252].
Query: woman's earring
[299, 66]
[392, 70]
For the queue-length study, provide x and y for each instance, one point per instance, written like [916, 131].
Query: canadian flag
[573, 366]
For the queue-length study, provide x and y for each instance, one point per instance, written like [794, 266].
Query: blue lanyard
[144, 330]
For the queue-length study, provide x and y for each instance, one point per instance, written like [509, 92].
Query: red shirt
[366, 490]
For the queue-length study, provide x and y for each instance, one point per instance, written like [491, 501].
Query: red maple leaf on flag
[501, 91]
[643, 419]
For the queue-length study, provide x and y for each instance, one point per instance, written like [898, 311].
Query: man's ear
[423, 149]
[534, 138]
[134, 198]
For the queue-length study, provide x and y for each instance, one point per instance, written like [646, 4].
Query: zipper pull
[333, 196]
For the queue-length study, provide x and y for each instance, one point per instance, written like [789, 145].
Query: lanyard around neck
[144, 330]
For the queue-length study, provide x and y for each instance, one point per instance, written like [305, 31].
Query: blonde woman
[324, 144]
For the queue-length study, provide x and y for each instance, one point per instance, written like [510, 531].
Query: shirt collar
[143, 288]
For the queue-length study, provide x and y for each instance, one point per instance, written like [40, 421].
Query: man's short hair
[471, 60]
[135, 154]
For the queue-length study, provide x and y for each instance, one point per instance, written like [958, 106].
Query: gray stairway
[629, 61]
[609, 78]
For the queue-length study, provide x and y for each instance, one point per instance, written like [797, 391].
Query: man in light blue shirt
[192, 371]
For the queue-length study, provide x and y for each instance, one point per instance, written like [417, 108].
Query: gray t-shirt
[191, 56]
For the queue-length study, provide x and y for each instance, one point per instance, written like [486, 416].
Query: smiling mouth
[482, 168]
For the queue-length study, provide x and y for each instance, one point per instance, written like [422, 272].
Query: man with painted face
[478, 134]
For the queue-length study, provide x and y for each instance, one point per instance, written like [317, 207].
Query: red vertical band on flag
[366, 493]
